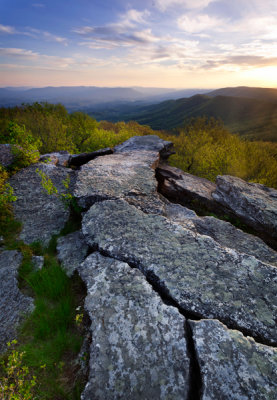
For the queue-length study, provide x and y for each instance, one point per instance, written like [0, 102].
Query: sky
[154, 43]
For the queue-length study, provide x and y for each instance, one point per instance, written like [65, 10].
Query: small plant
[17, 382]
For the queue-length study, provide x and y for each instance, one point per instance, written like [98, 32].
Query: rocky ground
[180, 306]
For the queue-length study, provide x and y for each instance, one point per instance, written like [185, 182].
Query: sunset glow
[162, 43]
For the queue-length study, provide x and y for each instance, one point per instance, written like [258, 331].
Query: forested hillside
[252, 118]
[203, 146]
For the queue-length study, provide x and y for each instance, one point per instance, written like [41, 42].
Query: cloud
[249, 61]
[37, 33]
[199, 23]
[34, 57]
[163, 5]
[7, 29]
[126, 32]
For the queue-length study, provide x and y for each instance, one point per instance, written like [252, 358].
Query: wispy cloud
[7, 29]
[35, 57]
[163, 5]
[199, 23]
[245, 61]
[37, 33]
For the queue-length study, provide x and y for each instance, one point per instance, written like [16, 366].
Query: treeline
[203, 146]
[55, 129]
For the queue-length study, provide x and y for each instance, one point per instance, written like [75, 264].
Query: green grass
[50, 336]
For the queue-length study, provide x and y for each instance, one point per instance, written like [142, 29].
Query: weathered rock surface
[13, 304]
[222, 232]
[76, 160]
[58, 158]
[233, 366]
[138, 348]
[6, 155]
[72, 250]
[121, 175]
[195, 271]
[42, 215]
[147, 143]
[254, 203]
[184, 188]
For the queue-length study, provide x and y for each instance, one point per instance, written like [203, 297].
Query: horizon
[169, 44]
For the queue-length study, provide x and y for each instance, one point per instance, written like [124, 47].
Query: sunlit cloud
[248, 61]
[199, 23]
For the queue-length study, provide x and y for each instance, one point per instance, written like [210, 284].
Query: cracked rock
[72, 250]
[13, 304]
[233, 366]
[42, 215]
[256, 204]
[203, 277]
[122, 175]
[138, 349]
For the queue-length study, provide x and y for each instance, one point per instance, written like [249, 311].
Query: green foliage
[17, 382]
[6, 191]
[205, 148]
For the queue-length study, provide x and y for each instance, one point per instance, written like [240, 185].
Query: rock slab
[255, 204]
[42, 215]
[6, 155]
[138, 348]
[13, 304]
[203, 277]
[233, 366]
[72, 250]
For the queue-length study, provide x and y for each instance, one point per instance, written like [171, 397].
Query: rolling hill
[254, 119]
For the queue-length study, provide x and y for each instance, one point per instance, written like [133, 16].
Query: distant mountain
[265, 94]
[250, 117]
[81, 97]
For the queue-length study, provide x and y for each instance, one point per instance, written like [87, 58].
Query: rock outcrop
[233, 366]
[72, 250]
[42, 215]
[161, 281]
[76, 160]
[254, 203]
[6, 155]
[58, 158]
[138, 348]
[13, 304]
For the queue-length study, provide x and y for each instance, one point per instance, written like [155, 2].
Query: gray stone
[76, 160]
[38, 262]
[6, 155]
[42, 215]
[184, 188]
[122, 175]
[13, 304]
[233, 366]
[147, 143]
[58, 158]
[72, 250]
[222, 232]
[255, 204]
[203, 277]
[138, 348]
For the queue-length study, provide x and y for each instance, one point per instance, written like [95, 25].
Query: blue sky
[158, 43]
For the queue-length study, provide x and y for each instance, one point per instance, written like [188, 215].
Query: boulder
[255, 204]
[147, 143]
[6, 155]
[13, 304]
[233, 366]
[76, 160]
[202, 277]
[129, 176]
[72, 250]
[42, 215]
[138, 348]
[59, 158]
[186, 189]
